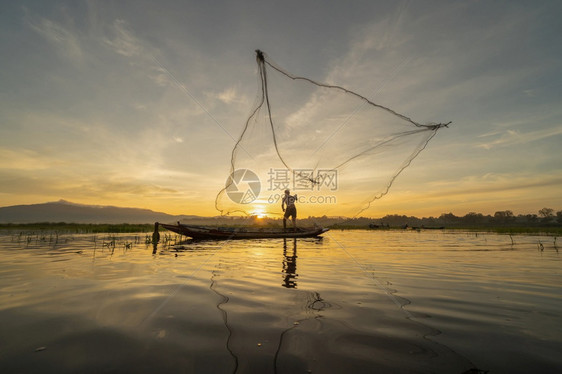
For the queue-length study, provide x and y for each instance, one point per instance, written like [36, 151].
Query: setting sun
[259, 212]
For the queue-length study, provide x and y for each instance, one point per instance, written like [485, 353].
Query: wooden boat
[206, 232]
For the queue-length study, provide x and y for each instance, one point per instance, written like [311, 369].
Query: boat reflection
[290, 265]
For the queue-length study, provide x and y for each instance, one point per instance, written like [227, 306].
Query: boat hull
[222, 233]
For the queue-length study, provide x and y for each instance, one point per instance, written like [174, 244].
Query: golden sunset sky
[139, 103]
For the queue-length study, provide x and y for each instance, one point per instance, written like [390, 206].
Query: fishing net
[336, 150]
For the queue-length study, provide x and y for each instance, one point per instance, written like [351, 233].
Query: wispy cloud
[27, 160]
[132, 186]
[228, 95]
[65, 40]
[514, 137]
[141, 54]
[123, 41]
[523, 192]
[494, 182]
[160, 76]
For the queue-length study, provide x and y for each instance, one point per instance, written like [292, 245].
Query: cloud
[520, 192]
[161, 77]
[65, 40]
[495, 182]
[228, 95]
[515, 137]
[124, 42]
[27, 160]
[97, 187]
[132, 186]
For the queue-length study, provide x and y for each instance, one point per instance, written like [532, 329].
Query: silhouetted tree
[547, 214]
[448, 219]
[504, 216]
[473, 218]
[532, 218]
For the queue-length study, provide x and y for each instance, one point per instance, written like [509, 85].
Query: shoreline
[149, 227]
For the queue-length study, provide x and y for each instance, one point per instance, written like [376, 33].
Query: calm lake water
[353, 302]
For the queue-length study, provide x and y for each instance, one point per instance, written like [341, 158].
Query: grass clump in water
[77, 228]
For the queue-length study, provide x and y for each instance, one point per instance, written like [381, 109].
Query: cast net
[336, 149]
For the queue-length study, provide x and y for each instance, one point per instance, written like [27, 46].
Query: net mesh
[336, 149]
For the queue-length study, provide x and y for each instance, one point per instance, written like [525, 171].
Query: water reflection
[220, 304]
[224, 300]
[290, 265]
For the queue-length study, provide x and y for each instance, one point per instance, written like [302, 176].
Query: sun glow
[259, 212]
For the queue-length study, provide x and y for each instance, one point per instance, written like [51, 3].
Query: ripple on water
[357, 301]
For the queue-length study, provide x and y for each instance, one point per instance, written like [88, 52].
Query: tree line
[544, 217]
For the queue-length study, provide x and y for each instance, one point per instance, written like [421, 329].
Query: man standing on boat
[291, 210]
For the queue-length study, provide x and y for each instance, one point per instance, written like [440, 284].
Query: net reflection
[290, 265]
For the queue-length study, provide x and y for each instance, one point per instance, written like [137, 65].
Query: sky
[140, 103]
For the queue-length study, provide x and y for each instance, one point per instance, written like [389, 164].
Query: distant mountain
[64, 211]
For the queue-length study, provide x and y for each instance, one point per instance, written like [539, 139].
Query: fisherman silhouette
[291, 210]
